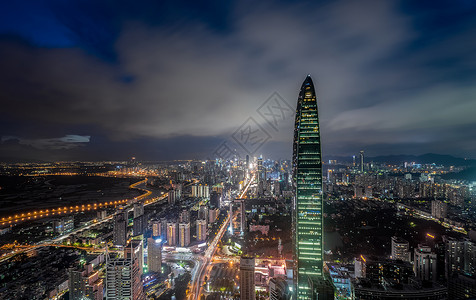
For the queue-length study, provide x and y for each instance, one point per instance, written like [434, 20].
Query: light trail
[210, 252]
[43, 213]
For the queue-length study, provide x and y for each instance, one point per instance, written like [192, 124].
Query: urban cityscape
[295, 203]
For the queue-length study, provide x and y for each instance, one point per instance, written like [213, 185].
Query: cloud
[376, 84]
[67, 142]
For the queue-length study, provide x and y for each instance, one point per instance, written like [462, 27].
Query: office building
[138, 209]
[307, 204]
[138, 225]
[214, 199]
[247, 278]
[425, 263]
[123, 279]
[154, 255]
[278, 289]
[63, 225]
[135, 250]
[361, 161]
[84, 284]
[120, 228]
[261, 171]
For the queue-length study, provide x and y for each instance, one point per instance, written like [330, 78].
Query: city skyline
[96, 81]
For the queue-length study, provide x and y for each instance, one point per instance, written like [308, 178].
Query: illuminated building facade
[154, 255]
[247, 278]
[307, 204]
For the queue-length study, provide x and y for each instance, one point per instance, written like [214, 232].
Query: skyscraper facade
[307, 204]
[247, 278]
[154, 254]
[361, 159]
[120, 229]
[123, 279]
[184, 234]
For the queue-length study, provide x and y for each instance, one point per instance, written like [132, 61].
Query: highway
[210, 252]
[88, 225]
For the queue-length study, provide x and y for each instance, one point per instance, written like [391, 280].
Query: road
[210, 252]
[150, 198]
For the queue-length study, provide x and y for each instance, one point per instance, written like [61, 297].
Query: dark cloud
[385, 81]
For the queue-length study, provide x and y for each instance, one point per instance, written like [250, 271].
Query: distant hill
[429, 158]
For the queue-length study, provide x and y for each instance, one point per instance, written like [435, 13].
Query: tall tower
[247, 278]
[361, 158]
[120, 228]
[154, 254]
[307, 205]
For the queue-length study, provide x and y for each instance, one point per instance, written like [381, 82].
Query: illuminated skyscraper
[154, 254]
[361, 158]
[307, 206]
[184, 234]
[247, 278]
[120, 229]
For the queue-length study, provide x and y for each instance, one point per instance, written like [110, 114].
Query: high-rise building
[76, 284]
[462, 286]
[135, 250]
[123, 275]
[203, 212]
[156, 228]
[460, 256]
[278, 289]
[154, 255]
[242, 215]
[120, 228]
[171, 197]
[63, 225]
[201, 191]
[439, 209]
[213, 215]
[260, 170]
[201, 230]
[400, 249]
[214, 200]
[361, 161]
[184, 234]
[123, 279]
[184, 216]
[138, 225]
[171, 233]
[138, 209]
[85, 284]
[424, 264]
[307, 204]
[247, 278]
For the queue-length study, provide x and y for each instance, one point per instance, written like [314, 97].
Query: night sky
[160, 80]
